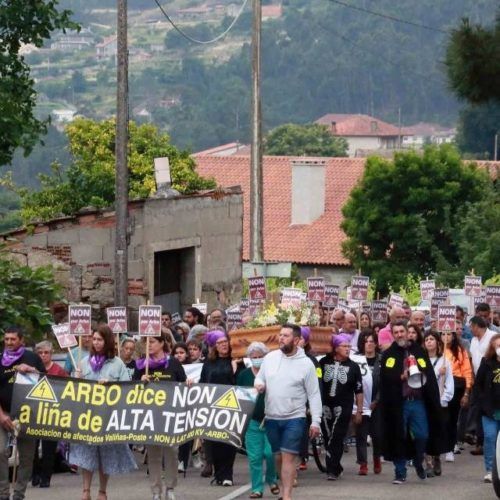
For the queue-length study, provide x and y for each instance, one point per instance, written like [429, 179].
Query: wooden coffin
[268, 335]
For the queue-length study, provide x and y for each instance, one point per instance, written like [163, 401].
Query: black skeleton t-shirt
[341, 381]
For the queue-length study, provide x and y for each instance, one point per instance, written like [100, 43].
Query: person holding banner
[220, 368]
[127, 350]
[15, 358]
[444, 376]
[487, 389]
[76, 353]
[102, 365]
[43, 466]
[462, 383]
[162, 367]
[342, 383]
[256, 443]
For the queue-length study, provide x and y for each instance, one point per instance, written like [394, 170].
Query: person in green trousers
[257, 444]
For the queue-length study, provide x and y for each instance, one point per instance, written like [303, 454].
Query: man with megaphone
[410, 405]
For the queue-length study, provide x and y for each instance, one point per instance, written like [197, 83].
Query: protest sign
[343, 306]
[117, 319]
[316, 289]
[427, 289]
[254, 306]
[80, 320]
[472, 285]
[201, 306]
[65, 339]
[161, 413]
[176, 318]
[379, 311]
[332, 293]
[233, 317]
[291, 298]
[435, 303]
[149, 321]
[395, 299]
[480, 299]
[244, 305]
[359, 287]
[492, 296]
[446, 318]
[441, 294]
[257, 288]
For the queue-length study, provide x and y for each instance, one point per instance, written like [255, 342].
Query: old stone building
[182, 249]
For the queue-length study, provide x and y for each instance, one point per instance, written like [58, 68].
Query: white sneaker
[170, 494]
[180, 467]
[228, 482]
[156, 496]
[450, 457]
[487, 478]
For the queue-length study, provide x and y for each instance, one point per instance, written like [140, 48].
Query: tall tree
[404, 215]
[23, 22]
[89, 179]
[473, 62]
[304, 140]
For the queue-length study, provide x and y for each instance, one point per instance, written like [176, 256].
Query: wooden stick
[118, 344]
[359, 272]
[147, 355]
[72, 358]
[315, 272]
[80, 346]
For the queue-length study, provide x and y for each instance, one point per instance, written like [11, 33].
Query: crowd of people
[415, 394]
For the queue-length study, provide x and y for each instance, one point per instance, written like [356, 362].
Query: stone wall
[81, 248]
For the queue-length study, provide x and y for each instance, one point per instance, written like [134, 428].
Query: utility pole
[256, 184]
[121, 149]
[495, 153]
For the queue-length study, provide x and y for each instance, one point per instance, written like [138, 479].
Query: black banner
[163, 413]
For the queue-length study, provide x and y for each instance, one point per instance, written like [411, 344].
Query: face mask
[256, 362]
[498, 351]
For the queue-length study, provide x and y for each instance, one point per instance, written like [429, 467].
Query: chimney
[308, 190]
[373, 126]
[163, 180]
[334, 128]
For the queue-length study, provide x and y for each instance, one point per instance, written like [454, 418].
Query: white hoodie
[290, 382]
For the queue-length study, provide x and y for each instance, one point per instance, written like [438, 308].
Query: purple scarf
[153, 363]
[97, 361]
[10, 357]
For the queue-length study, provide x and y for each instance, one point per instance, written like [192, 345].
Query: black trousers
[368, 426]
[223, 456]
[453, 413]
[185, 453]
[335, 425]
[44, 466]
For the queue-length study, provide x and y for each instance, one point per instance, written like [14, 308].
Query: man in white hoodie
[289, 380]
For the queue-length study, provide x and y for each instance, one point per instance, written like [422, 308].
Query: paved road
[461, 480]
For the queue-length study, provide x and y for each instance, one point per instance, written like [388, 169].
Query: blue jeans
[285, 435]
[491, 428]
[414, 419]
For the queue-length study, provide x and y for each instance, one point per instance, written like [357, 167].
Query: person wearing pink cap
[220, 368]
[341, 383]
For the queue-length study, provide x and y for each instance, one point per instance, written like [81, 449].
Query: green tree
[477, 127]
[304, 140]
[23, 22]
[473, 61]
[404, 215]
[25, 296]
[90, 178]
[78, 82]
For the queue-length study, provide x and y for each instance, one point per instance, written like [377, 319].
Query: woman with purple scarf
[162, 368]
[102, 365]
[220, 368]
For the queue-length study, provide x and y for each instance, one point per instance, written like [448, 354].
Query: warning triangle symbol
[150, 329]
[446, 326]
[228, 401]
[42, 391]
[258, 295]
[79, 330]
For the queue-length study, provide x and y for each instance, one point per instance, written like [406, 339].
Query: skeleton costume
[341, 381]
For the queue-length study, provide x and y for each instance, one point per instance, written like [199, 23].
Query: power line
[389, 17]
[194, 40]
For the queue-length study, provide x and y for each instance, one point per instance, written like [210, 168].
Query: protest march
[305, 377]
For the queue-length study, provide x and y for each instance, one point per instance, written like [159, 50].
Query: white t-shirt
[366, 375]
[478, 348]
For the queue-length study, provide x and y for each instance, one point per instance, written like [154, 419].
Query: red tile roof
[316, 243]
[357, 125]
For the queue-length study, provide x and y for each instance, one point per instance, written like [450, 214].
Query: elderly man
[15, 358]
[396, 314]
[338, 318]
[349, 328]
[418, 318]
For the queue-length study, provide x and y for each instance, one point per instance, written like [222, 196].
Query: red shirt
[56, 370]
